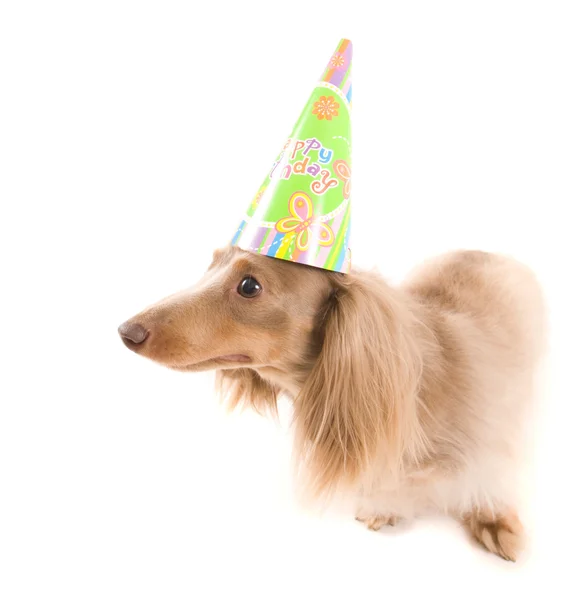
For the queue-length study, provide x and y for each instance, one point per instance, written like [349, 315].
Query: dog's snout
[133, 334]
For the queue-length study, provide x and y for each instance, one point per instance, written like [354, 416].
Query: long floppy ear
[359, 403]
[246, 387]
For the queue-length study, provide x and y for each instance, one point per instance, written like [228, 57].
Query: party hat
[302, 210]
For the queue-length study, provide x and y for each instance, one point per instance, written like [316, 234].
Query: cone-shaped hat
[302, 210]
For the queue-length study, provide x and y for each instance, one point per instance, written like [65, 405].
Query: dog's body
[412, 399]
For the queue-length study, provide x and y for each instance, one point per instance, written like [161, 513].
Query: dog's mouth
[226, 360]
[239, 358]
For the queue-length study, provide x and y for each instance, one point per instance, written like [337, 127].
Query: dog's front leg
[376, 522]
[378, 508]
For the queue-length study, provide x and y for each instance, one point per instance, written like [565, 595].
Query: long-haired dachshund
[412, 399]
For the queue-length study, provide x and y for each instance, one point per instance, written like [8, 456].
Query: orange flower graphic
[326, 108]
[337, 61]
[303, 222]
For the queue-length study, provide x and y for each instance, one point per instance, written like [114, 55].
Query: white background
[132, 137]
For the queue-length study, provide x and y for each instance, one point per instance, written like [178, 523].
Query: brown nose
[132, 334]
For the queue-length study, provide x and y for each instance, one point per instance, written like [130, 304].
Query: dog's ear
[359, 402]
[245, 387]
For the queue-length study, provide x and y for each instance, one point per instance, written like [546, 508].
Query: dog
[412, 399]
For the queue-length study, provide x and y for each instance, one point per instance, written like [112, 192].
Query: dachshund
[411, 399]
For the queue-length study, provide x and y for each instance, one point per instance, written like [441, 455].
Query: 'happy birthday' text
[305, 157]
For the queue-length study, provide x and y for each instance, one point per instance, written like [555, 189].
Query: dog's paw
[501, 534]
[376, 522]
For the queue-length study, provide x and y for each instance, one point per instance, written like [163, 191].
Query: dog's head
[247, 311]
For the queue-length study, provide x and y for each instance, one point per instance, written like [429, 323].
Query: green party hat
[302, 211]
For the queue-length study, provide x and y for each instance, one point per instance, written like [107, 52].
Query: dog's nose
[132, 334]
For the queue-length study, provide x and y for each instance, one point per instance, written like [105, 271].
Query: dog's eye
[249, 287]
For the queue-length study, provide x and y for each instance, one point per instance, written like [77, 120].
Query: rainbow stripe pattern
[340, 76]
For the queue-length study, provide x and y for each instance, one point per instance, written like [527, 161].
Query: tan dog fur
[412, 399]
